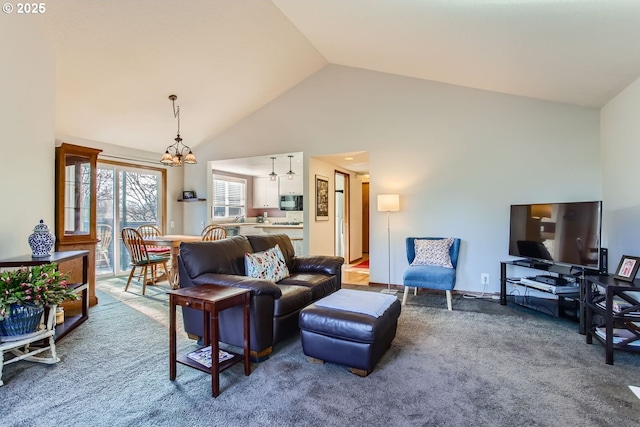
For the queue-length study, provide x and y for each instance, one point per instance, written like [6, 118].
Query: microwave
[291, 203]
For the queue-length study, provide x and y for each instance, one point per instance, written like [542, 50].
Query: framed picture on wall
[322, 198]
[627, 268]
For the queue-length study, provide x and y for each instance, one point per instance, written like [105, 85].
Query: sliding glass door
[127, 196]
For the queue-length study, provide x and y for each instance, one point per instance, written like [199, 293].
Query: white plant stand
[18, 346]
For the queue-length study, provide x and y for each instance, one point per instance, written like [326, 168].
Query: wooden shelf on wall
[192, 200]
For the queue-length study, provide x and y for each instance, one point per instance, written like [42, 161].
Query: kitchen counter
[280, 226]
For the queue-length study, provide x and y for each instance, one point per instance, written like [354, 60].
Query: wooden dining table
[173, 241]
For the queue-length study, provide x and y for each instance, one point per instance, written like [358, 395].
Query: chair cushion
[153, 259]
[430, 276]
[433, 252]
[158, 249]
[269, 264]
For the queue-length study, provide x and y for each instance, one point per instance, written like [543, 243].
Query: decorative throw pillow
[433, 252]
[269, 264]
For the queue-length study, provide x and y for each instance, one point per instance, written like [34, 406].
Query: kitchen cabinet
[250, 230]
[291, 186]
[265, 193]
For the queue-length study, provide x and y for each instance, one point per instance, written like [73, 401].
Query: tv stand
[529, 263]
[567, 305]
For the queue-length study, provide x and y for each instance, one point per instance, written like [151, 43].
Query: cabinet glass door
[77, 195]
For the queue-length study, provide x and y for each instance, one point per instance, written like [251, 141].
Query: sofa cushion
[433, 252]
[269, 265]
[293, 298]
[262, 243]
[320, 284]
[256, 286]
[224, 256]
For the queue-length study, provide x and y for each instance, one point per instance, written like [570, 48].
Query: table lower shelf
[225, 364]
[70, 322]
[565, 307]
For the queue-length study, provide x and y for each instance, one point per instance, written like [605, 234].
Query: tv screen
[558, 233]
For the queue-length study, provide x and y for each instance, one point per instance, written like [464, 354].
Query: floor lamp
[388, 203]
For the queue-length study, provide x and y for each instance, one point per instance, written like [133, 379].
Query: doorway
[365, 218]
[341, 227]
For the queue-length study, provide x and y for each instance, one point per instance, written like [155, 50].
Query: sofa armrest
[256, 286]
[331, 265]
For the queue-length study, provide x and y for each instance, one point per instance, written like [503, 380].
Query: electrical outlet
[484, 278]
[172, 224]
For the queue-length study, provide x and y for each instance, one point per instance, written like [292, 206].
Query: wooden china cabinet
[75, 226]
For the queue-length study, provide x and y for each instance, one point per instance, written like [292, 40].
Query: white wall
[321, 234]
[620, 136]
[27, 120]
[457, 156]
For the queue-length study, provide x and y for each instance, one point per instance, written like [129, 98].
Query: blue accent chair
[430, 276]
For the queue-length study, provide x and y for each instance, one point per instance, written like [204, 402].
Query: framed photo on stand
[186, 195]
[322, 198]
[627, 268]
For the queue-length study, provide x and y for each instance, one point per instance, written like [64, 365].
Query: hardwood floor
[356, 276]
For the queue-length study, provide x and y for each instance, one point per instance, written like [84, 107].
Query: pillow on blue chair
[433, 252]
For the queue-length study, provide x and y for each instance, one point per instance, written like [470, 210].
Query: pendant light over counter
[273, 175]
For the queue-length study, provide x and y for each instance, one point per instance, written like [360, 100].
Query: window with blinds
[229, 197]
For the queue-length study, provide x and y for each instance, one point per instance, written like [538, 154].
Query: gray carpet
[480, 365]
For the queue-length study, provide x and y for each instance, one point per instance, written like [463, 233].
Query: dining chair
[214, 232]
[142, 259]
[103, 234]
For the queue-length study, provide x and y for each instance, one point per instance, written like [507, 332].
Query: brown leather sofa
[275, 307]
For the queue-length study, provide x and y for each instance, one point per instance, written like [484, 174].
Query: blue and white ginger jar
[41, 241]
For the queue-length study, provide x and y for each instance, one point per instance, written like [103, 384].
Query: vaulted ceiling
[119, 60]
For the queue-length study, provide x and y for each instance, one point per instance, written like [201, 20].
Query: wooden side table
[211, 299]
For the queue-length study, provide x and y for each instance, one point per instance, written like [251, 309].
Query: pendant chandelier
[290, 173]
[177, 154]
[273, 175]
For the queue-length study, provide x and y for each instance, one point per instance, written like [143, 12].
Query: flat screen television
[557, 233]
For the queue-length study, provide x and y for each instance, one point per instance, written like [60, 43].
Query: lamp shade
[388, 202]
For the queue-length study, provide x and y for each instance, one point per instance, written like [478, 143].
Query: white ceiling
[119, 60]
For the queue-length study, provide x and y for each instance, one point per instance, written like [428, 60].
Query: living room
[457, 155]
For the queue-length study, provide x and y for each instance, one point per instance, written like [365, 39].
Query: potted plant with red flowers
[24, 294]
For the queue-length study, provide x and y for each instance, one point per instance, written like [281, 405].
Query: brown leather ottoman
[351, 338]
